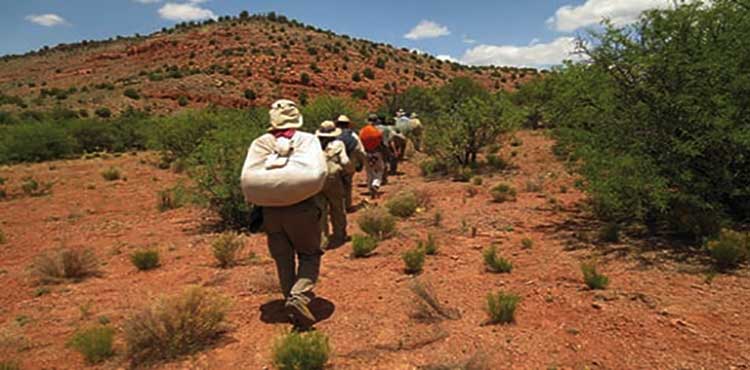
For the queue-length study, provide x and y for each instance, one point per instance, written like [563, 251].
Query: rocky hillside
[234, 62]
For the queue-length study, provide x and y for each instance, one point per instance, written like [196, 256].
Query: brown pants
[334, 193]
[294, 234]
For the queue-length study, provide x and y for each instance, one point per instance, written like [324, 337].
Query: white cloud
[147, 1]
[447, 58]
[533, 55]
[46, 20]
[467, 40]
[570, 18]
[185, 12]
[427, 30]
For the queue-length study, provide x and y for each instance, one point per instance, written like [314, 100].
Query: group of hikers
[297, 181]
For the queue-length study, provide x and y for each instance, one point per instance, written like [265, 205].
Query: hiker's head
[285, 115]
[327, 132]
[414, 115]
[343, 122]
[372, 119]
[400, 113]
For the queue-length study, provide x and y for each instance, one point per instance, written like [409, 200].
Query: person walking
[334, 190]
[394, 144]
[372, 139]
[293, 231]
[357, 156]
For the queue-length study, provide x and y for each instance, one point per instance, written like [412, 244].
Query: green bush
[173, 198]
[610, 232]
[304, 78]
[494, 263]
[65, 265]
[132, 94]
[298, 351]
[368, 73]
[527, 243]
[592, 278]
[95, 343]
[404, 204]
[730, 250]
[503, 193]
[413, 260]
[660, 124]
[250, 94]
[145, 260]
[378, 223]
[363, 245]
[496, 162]
[325, 107]
[360, 94]
[226, 248]
[356, 77]
[434, 167]
[111, 174]
[430, 245]
[179, 135]
[35, 142]
[34, 188]
[9, 365]
[103, 112]
[175, 326]
[501, 307]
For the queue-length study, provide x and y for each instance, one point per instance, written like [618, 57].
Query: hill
[233, 62]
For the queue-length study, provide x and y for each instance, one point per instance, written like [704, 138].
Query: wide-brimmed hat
[414, 115]
[328, 129]
[400, 113]
[285, 115]
[343, 119]
[373, 117]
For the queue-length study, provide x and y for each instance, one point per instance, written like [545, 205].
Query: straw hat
[343, 119]
[373, 118]
[285, 115]
[414, 115]
[400, 113]
[328, 129]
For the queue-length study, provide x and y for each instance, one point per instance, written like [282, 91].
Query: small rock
[597, 306]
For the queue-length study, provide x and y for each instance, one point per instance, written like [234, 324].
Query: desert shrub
[297, 351]
[503, 193]
[432, 167]
[477, 181]
[172, 198]
[660, 123]
[363, 245]
[368, 73]
[217, 162]
[497, 162]
[182, 101]
[103, 112]
[501, 307]
[144, 260]
[3, 238]
[250, 94]
[31, 187]
[132, 94]
[226, 248]
[413, 260]
[304, 78]
[730, 249]
[35, 142]
[111, 174]
[380, 62]
[535, 185]
[527, 243]
[404, 204]
[378, 223]
[429, 246]
[65, 265]
[592, 278]
[360, 94]
[95, 343]
[463, 174]
[356, 77]
[9, 365]
[175, 326]
[494, 263]
[610, 232]
[179, 135]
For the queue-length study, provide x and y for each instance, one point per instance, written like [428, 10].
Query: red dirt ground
[660, 311]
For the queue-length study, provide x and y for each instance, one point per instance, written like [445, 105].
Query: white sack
[282, 172]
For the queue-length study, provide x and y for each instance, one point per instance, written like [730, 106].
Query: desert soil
[661, 311]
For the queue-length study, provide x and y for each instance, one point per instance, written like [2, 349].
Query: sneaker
[301, 314]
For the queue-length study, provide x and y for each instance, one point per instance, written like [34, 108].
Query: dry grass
[227, 247]
[378, 223]
[65, 265]
[426, 305]
[301, 351]
[176, 326]
[263, 282]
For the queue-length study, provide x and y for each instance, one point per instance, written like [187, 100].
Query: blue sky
[502, 32]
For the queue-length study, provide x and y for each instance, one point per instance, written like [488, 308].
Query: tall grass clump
[413, 260]
[146, 259]
[175, 326]
[404, 204]
[226, 248]
[111, 174]
[730, 249]
[95, 343]
[501, 307]
[298, 351]
[593, 278]
[494, 263]
[65, 265]
[363, 245]
[378, 223]
[503, 193]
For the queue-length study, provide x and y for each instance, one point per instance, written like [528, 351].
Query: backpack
[371, 137]
[280, 172]
[347, 137]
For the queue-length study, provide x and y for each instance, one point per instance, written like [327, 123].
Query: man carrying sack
[284, 172]
[356, 152]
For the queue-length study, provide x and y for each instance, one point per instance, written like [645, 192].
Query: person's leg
[337, 211]
[280, 248]
[348, 189]
[301, 226]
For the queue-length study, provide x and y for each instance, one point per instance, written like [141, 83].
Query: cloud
[46, 20]
[467, 40]
[570, 18]
[147, 1]
[533, 55]
[185, 12]
[447, 58]
[427, 30]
